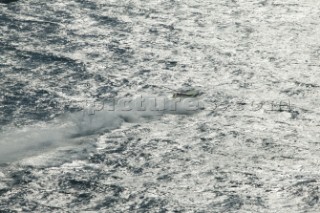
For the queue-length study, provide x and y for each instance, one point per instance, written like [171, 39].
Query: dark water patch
[120, 51]
[108, 202]
[151, 203]
[165, 178]
[170, 64]
[120, 54]
[9, 22]
[80, 76]
[22, 177]
[103, 90]
[48, 26]
[232, 203]
[6, 116]
[108, 21]
[82, 199]
[97, 158]
[89, 4]
[312, 199]
[80, 184]
[5, 47]
[27, 103]
[8, 1]
[47, 57]
[41, 65]
[100, 78]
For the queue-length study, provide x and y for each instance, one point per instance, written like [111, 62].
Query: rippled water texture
[252, 145]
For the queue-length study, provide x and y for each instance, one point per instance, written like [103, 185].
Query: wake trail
[68, 129]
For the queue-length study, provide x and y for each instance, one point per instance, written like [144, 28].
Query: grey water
[243, 76]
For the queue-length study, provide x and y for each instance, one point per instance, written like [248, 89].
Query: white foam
[31, 141]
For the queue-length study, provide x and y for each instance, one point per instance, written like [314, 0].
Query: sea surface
[239, 130]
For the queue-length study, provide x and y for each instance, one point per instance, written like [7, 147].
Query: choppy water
[252, 145]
